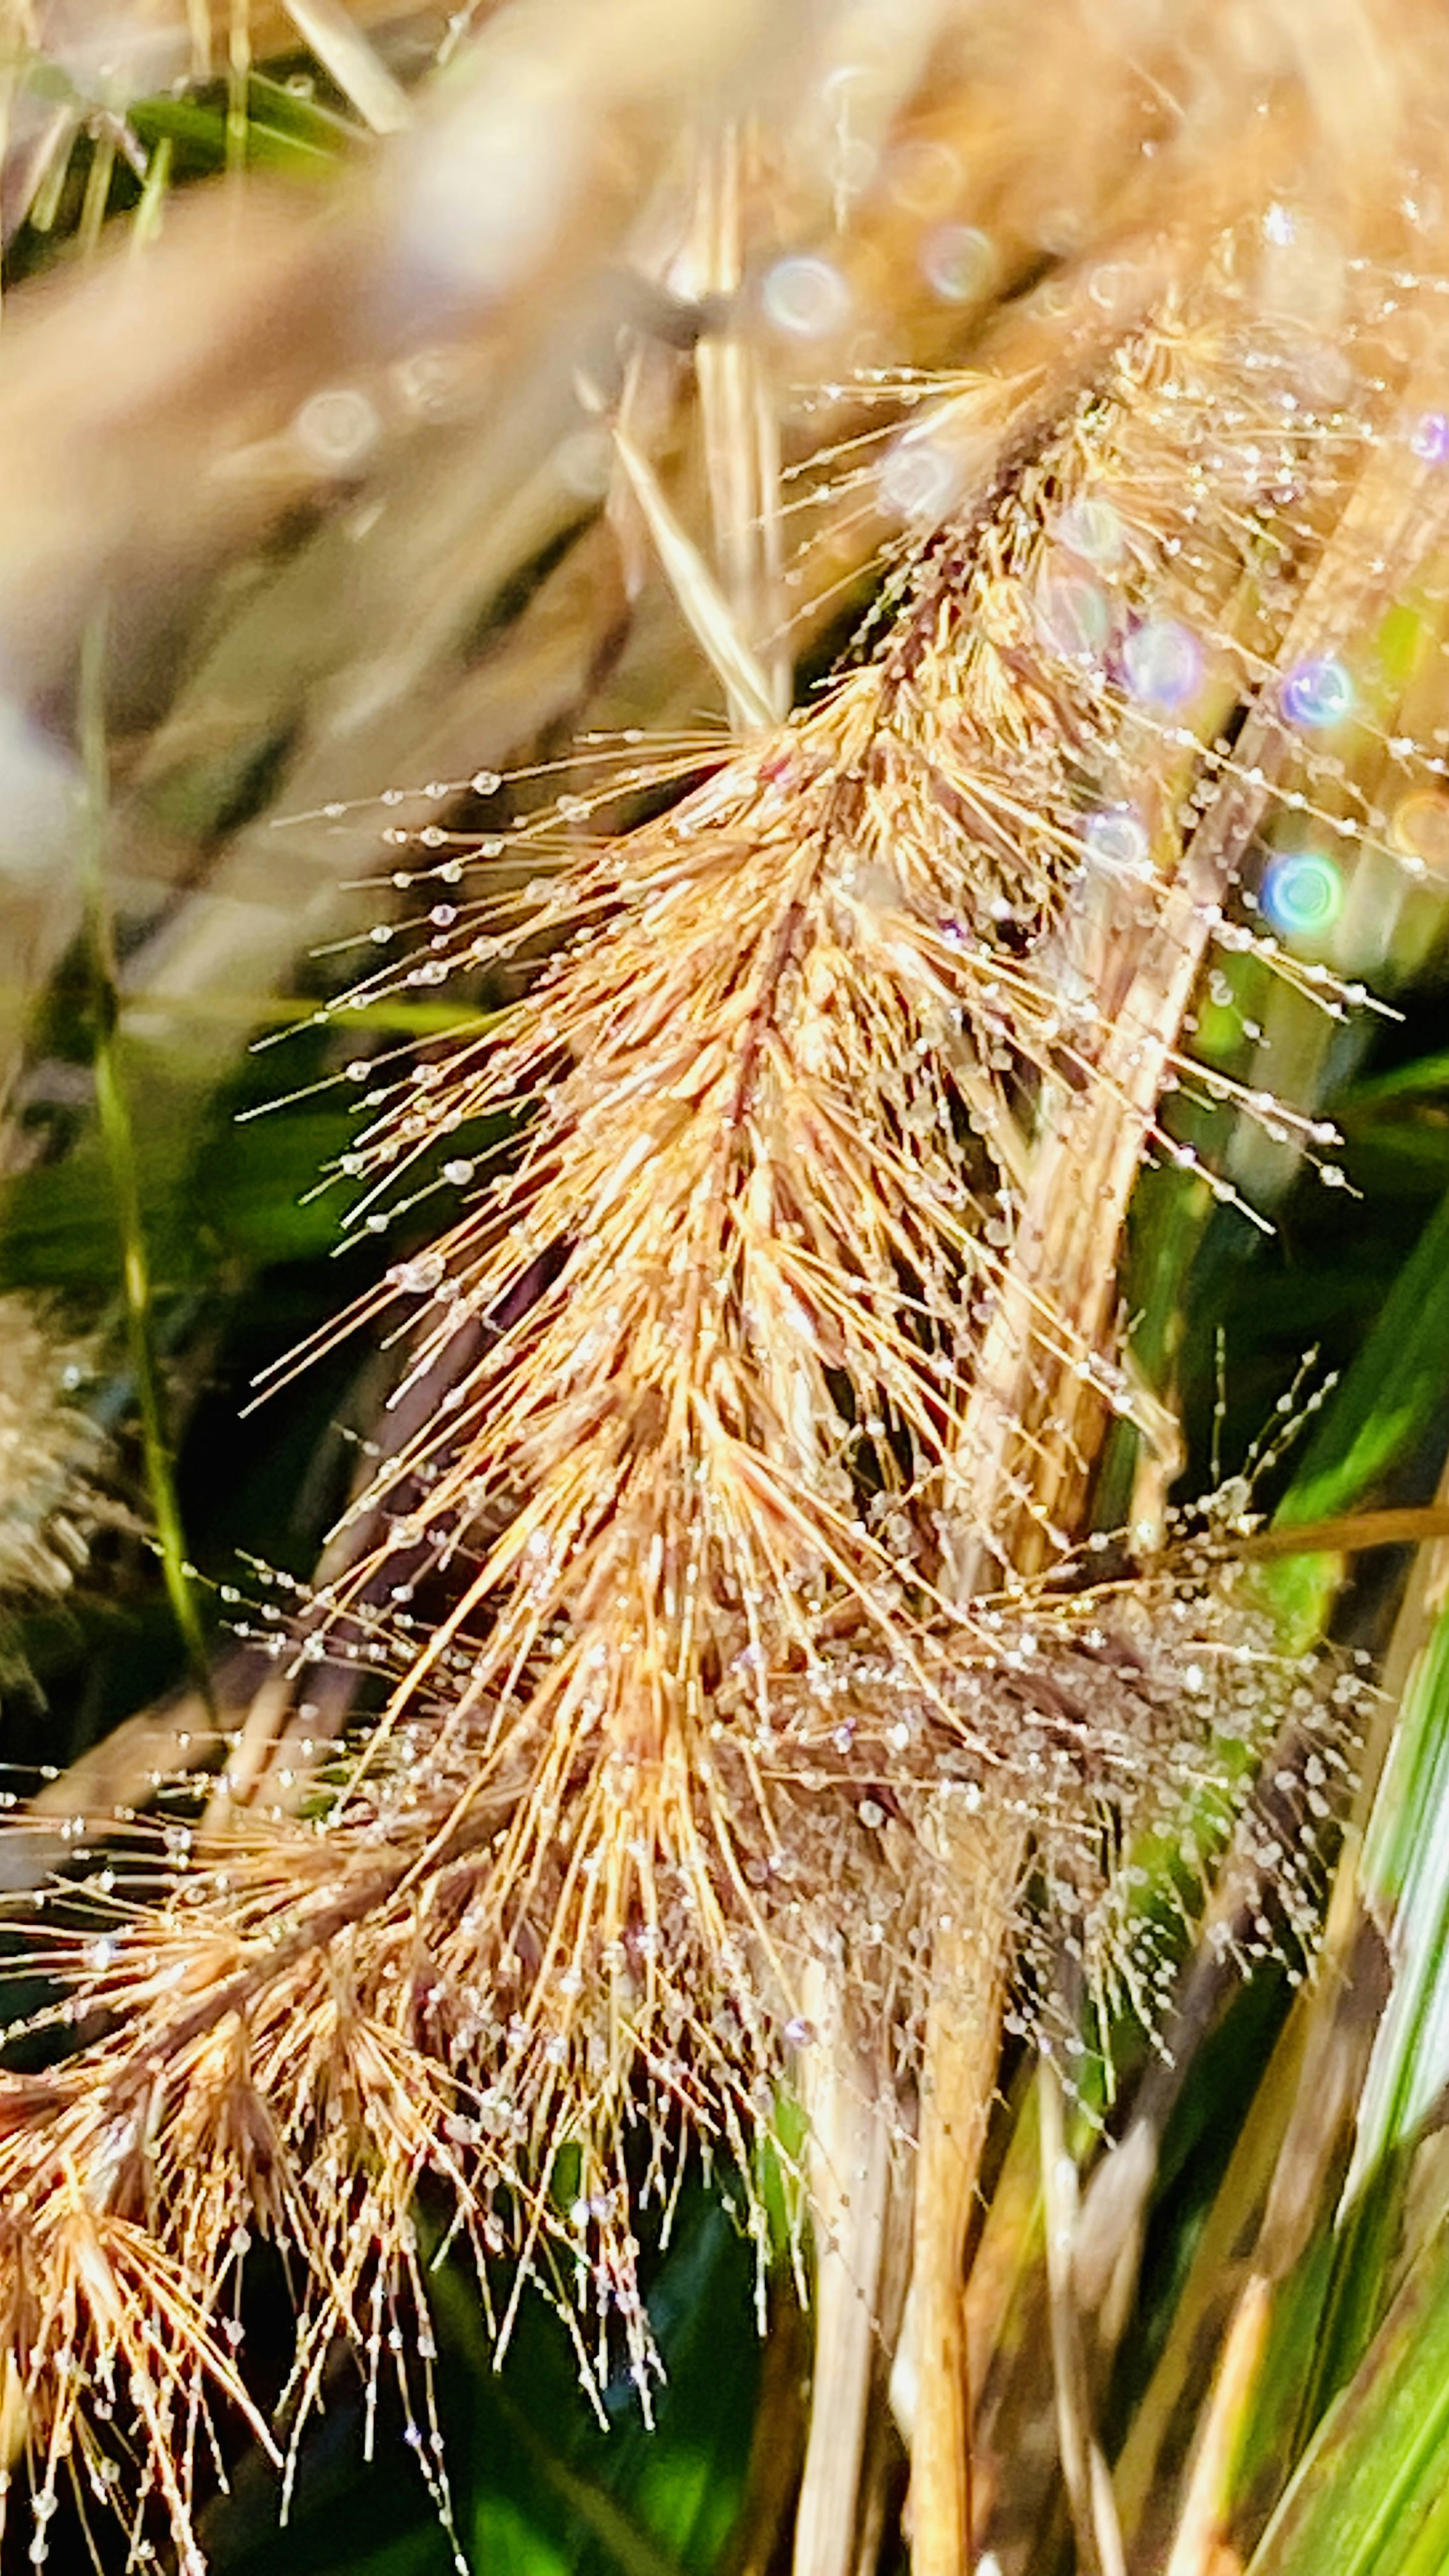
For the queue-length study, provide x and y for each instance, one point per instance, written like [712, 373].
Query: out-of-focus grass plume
[49, 1454]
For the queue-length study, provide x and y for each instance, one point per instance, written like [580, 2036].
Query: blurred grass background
[343, 560]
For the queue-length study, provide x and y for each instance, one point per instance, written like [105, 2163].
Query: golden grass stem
[849, 2171]
[1200, 2544]
[1084, 2469]
[981, 1860]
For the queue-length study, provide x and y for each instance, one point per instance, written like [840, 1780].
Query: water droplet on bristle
[584, 463]
[417, 1278]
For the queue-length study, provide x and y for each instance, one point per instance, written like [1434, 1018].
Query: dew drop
[584, 464]
[417, 1278]
[924, 177]
[1113, 286]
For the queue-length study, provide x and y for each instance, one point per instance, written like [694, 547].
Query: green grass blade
[1392, 1394]
[1369, 2496]
[119, 1145]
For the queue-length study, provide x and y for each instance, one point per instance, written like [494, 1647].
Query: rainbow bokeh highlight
[1302, 894]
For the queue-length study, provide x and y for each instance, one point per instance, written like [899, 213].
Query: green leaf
[1404, 1875]
[1393, 1394]
[1369, 2496]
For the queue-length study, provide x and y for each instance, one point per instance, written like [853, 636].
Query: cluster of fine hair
[50, 1500]
[735, 1549]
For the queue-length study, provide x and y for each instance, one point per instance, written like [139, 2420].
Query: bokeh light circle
[1302, 894]
[1429, 437]
[1162, 663]
[1420, 829]
[1074, 614]
[1116, 839]
[918, 481]
[959, 263]
[1092, 529]
[338, 428]
[1318, 694]
[925, 177]
[806, 298]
